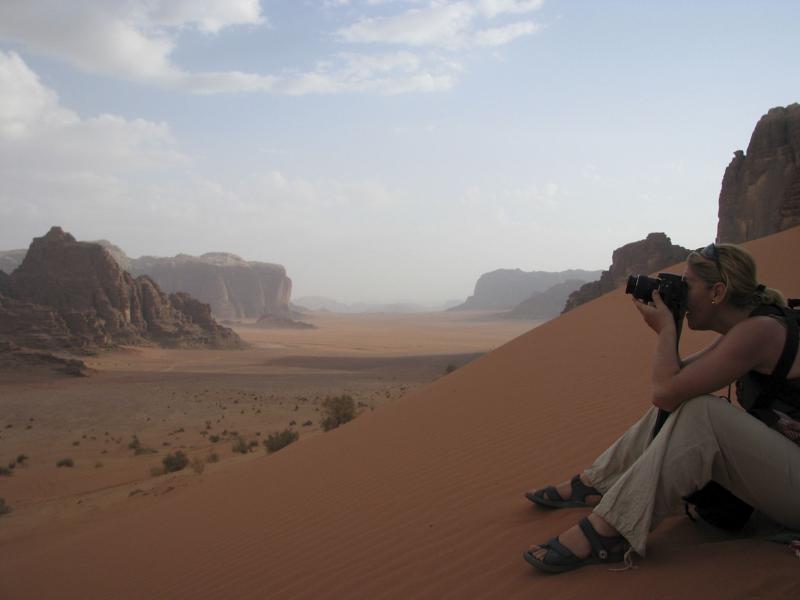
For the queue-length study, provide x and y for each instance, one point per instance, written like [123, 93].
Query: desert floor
[183, 399]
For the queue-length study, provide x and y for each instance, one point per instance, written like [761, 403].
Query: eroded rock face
[73, 295]
[233, 287]
[506, 288]
[646, 256]
[760, 192]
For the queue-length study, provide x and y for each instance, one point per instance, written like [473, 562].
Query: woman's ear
[718, 292]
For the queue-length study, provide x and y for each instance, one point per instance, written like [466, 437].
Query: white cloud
[440, 24]
[450, 25]
[499, 36]
[492, 8]
[41, 139]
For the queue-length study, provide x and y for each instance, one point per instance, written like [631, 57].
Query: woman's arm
[750, 344]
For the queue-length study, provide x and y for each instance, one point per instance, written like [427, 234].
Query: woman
[640, 480]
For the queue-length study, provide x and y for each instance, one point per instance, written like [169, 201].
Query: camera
[671, 287]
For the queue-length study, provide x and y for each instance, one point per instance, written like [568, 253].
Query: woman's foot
[574, 539]
[592, 541]
[577, 492]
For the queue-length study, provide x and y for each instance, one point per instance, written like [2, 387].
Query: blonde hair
[737, 270]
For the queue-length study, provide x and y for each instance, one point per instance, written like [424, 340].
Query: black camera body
[671, 287]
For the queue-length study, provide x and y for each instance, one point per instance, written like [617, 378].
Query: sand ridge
[423, 497]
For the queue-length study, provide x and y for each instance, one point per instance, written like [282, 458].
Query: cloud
[450, 25]
[135, 40]
[48, 150]
[499, 36]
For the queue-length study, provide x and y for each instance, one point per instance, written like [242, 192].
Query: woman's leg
[705, 439]
[618, 458]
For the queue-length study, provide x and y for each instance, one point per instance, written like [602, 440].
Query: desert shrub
[134, 444]
[308, 423]
[280, 439]
[212, 457]
[337, 410]
[21, 459]
[76, 443]
[6, 472]
[156, 471]
[175, 462]
[213, 439]
[142, 450]
[240, 445]
[198, 465]
[4, 508]
[98, 465]
[65, 462]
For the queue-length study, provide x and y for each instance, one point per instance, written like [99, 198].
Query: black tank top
[761, 394]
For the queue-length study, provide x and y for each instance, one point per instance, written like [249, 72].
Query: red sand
[423, 497]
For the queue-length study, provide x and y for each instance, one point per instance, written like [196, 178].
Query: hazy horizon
[382, 151]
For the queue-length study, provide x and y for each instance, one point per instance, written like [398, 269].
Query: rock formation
[233, 287]
[545, 305]
[506, 288]
[646, 256]
[73, 295]
[760, 192]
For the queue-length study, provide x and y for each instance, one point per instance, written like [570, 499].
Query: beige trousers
[643, 479]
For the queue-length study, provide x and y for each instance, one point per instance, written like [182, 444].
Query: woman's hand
[656, 315]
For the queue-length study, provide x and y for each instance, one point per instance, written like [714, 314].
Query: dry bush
[65, 462]
[280, 439]
[198, 465]
[175, 462]
[337, 410]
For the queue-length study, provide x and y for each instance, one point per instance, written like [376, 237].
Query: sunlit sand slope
[422, 498]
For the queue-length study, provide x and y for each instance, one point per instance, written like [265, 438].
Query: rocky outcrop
[546, 305]
[646, 256]
[760, 192]
[73, 295]
[506, 288]
[233, 287]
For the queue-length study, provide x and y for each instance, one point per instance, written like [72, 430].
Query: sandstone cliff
[73, 295]
[646, 256]
[760, 192]
[506, 288]
[234, 288]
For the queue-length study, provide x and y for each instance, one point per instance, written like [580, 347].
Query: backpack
[758, 393]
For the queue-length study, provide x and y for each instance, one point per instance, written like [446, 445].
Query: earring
[713, 301]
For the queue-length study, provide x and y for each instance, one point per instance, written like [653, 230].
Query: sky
[382, 150]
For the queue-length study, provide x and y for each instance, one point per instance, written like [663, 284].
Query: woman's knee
[700, 410]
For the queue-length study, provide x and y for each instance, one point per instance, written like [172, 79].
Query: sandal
[550, 497]
[559, 558]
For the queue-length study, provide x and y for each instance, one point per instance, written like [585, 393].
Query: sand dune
[423, 497]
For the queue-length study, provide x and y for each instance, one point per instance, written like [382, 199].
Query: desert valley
[302, 300]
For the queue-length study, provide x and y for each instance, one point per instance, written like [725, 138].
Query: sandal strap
[602, 546]
[580, 490]
[561, 552]
[551, 493]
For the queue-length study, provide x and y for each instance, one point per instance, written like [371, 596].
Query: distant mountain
[11, 259]
[74, 295]
[546, 305]
[233, 287]
[506, 288]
